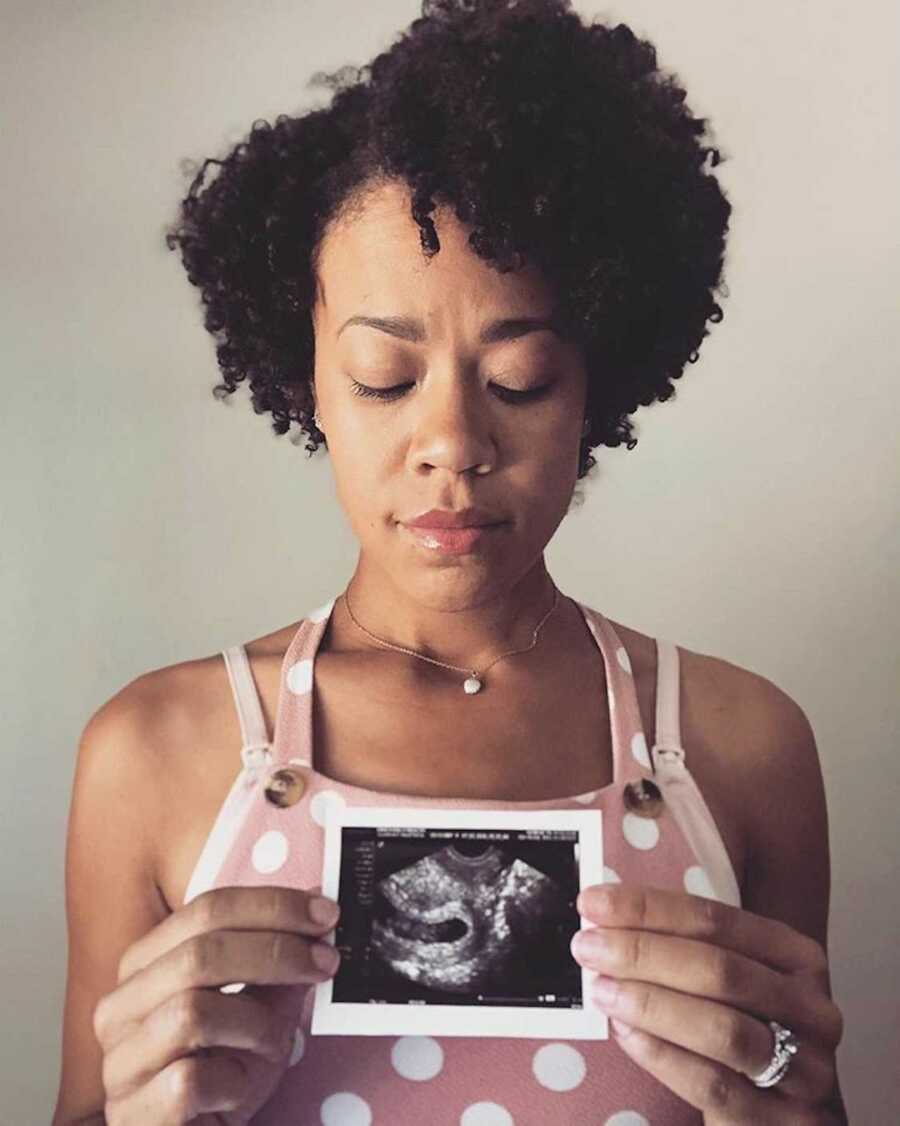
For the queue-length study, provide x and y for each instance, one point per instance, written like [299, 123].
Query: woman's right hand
[175, 1048]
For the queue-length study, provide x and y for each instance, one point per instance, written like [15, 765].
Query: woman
[463, 274]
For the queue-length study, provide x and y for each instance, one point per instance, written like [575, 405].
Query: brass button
[285, 786]
[643, 798]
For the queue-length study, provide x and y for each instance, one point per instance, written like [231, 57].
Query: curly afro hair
[561, 144]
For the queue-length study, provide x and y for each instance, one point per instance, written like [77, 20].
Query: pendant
[472, 685]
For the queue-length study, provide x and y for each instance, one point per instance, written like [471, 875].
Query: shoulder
[145, 722]
[153, 748]
[174, 711]
[761, 728]
[752, 750]
[170, 742]
[136, 755]
[133, 749]
[780, 777]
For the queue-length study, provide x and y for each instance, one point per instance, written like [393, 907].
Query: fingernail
[324, 911]
[600, 900]
[622, 1030]
[325, 957]
[605, 990]
[589, 942]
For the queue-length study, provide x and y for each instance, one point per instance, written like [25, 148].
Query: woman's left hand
[692, 984]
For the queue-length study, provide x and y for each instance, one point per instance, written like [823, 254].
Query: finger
[187, 1022]
[722, 1094]
[713, 1031]
[215, 958]
[692, 916]
[270, 907]
[188, 1088]
[284, 1000]
[701, 970]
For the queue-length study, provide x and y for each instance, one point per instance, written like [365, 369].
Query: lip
[452, 541]
[453, 518]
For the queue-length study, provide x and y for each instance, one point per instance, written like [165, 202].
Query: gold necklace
[474, 682]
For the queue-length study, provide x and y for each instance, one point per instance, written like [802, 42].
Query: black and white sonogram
[475, 916]
[458, 916]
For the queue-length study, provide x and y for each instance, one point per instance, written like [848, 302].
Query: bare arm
[788, 873]
[111, 896]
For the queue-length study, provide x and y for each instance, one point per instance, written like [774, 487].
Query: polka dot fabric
[454, 1081]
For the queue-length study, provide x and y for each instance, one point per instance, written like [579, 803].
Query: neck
[467, 627]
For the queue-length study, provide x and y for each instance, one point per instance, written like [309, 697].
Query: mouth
[453, 541]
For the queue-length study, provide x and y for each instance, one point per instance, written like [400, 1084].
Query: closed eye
[507, 394]
[379, 392]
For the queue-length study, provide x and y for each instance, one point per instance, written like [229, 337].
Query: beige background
[145, 523]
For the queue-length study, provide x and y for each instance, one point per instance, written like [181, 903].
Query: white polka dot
[322, 612]
[299, 677]
[623, 658]
[270, 851]
[611, 876]
[697, 882]
[345, 1109]
[417, 1057]
[627, 1118]
[486, 1114]
[640, 832]
[298, 1048]
[559, 1066]
[587, 798]
[324, 801]
[639, 749]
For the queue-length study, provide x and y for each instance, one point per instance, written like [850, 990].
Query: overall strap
[668, 723]
[254, 738]
[713, 876]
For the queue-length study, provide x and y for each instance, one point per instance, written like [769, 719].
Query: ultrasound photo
[458, 922]
[458, 917]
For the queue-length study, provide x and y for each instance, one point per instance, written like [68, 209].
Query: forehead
[371, 262]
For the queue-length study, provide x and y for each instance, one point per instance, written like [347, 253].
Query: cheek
[550, 453]
[363, 476]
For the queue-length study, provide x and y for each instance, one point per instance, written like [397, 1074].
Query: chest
[517, 739]
[527, 746]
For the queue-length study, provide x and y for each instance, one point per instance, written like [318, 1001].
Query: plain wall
[145, 523]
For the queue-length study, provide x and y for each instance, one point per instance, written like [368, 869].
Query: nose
[452, 429]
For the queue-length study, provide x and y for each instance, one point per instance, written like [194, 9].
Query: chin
[463, 585]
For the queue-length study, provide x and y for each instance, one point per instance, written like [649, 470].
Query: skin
[448, 441]
[699, 967]
[692, 976]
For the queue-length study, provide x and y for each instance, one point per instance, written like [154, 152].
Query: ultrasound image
[485, 918]
[458, 919]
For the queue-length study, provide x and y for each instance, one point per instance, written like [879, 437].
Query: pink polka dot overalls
[454, 1080]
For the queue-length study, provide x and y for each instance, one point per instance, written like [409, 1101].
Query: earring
[585, 428]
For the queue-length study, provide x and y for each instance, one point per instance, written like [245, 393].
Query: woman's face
[447, 437]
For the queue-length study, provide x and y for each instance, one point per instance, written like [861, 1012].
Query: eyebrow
[407, 328]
